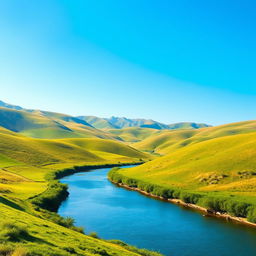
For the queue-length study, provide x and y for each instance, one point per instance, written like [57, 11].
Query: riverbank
[49, 201]
[118, 213]
[204, 210]
[56, 192]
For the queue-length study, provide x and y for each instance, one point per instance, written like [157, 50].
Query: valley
[213, 167]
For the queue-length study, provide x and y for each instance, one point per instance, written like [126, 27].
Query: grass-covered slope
[134, 134]
[217, 173]
[149, 138]
[25, 162]
[28, 192]
[195, 166]
[50, 125]
[43, 152]
[169, 141]
[24, 234]
[31, 159]
[99, 146]
[98, 122]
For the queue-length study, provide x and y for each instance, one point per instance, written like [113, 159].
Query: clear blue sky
[179, 60]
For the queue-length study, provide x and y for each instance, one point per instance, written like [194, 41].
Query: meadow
[211, 167]
[30, 194]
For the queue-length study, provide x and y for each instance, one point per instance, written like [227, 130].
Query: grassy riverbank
[30, 194]
[218, 174]
[30, 226]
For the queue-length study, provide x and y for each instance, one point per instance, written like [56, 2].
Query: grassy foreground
[218, 173]
[38, 236]
[30, 193]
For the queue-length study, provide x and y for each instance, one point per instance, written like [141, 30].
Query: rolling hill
[32, 159]
[43, 152]
[209, 166]
[134, 134]
[169, 141]
[187, 167]
[27, 169]
[97, 122]
[212, 167]
[50, 125]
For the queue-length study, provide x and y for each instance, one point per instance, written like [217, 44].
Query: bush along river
[117, 213]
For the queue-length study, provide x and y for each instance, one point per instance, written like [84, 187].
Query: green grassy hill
[216, 169]
[107, 146]
[34, 158]
[134, 134]
[42, 152]
[50, 125]
[211, 166]
[23, 234]
[169, 141]
[27, 169]
[188, 166]
[97, 122]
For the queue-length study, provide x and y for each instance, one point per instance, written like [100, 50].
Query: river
[117, 213]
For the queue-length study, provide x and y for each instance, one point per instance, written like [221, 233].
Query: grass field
[213, 167]
[220, 164]
[169, 141]
[48, 125]
[37, 236]
[32, 158]
[134, 134]
[27, 166]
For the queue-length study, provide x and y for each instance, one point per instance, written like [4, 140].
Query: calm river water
[117, 213]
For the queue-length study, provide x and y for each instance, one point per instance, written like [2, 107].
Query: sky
[171, 61]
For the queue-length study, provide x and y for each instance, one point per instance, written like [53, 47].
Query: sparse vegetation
[13, 232]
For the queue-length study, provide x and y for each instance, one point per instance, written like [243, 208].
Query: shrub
[52, 197]
[238, 209]
[78, 229]
[214, 203]
[70, 250]
[94, 235]
[13, 232]
[5, 250]
[251, 216]
[68, 222]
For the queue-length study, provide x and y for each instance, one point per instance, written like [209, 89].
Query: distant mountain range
[45, 124]
[6, 105]
[123, 122]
